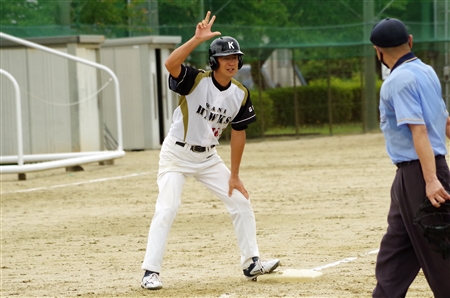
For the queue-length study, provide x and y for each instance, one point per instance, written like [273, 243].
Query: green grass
[349, 128]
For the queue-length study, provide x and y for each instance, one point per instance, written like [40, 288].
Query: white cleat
[258, 268]
[151, 281]
[270, 266]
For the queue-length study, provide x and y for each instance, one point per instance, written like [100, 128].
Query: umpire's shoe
[258, 268]
[151, 281]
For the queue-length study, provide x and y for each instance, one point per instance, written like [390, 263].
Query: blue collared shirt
[412, 95]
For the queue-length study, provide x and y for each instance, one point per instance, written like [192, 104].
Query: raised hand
[203, 29]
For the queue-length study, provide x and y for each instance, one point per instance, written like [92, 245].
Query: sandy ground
[319, 202]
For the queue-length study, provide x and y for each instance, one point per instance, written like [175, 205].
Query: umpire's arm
[447, 128]
[434, 189]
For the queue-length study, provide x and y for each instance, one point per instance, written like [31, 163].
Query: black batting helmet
[224, 46]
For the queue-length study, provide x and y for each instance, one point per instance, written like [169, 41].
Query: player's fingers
[216, 33]
[212, 21]
[244, 191]
[246, 195]
[241, 189]
[207, 17]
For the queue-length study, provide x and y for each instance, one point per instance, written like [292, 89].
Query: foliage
[28, 13]
[177, 13]
[344, 68]
[268, 25]
[323, 129]
[110, 17]
[104, 12]
[260, 24]
[319, 32]
[263, 105]
[312, 103]
[264, 117]
[35, 18]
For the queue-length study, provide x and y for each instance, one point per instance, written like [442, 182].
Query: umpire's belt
[407, 163]
[195, 148]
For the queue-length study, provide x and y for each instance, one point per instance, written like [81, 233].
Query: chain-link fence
[316, 76]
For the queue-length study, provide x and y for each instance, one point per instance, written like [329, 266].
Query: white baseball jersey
[205, 108]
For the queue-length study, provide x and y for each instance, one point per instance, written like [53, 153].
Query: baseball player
[209, 102]
[415, 123]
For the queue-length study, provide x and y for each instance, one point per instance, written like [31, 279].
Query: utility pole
[370, 102]
[200, 55]
[153, 19]
[64, 13]
[442, 33]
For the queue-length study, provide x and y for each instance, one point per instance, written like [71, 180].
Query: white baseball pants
[175, 164]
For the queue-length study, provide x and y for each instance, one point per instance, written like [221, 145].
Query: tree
[28, 13]
[262, 26]
[310, 28]
[111, 18]
[246, 20]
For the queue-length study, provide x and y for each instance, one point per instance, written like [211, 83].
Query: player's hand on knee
[236, 183]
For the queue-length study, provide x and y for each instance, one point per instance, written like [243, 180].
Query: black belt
[406, 163]
[195, 148]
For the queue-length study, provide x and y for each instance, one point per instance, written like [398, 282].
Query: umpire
[415, 124]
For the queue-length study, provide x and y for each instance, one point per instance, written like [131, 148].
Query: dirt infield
[319, 203]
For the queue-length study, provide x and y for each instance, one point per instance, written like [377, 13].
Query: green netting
[319, 28]
[307, 37]
[249, 37]
[327, 42]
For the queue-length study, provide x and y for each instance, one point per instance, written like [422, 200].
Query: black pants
[404, 250]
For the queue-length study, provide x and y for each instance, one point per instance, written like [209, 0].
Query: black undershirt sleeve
[183, 84]
[245, 116]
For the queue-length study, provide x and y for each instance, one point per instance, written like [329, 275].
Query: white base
[291, 275]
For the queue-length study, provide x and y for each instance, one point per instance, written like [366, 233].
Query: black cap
[389, 33]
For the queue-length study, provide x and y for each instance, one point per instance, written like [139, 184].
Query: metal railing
[56, 160]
